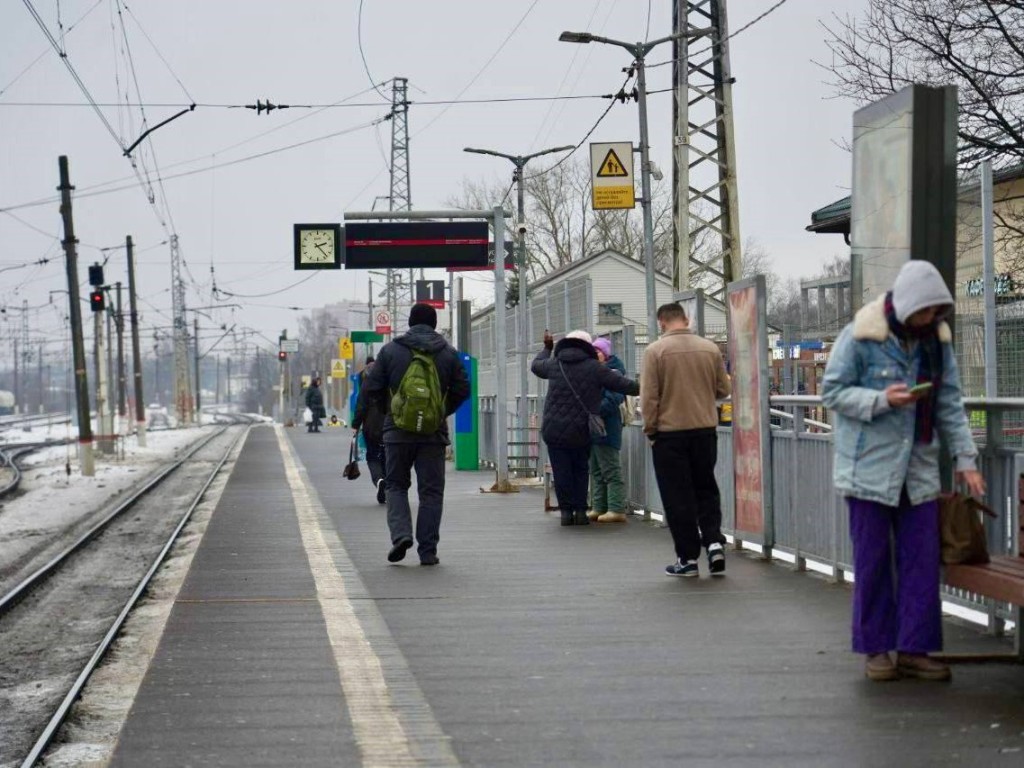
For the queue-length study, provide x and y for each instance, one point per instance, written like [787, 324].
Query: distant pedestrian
[893, 384]
[683, 376]
[315, 403]
[577, 381]
[607, 489]
[419, 380]
[369, 417]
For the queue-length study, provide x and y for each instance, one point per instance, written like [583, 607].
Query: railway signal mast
[182, 383]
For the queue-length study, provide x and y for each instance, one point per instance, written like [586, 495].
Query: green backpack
[418, 403]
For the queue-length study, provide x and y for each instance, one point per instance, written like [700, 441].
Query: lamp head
[575, 37]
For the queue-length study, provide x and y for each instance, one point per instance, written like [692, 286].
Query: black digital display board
[415, 244]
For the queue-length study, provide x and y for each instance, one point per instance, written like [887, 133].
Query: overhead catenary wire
[730, 36]
[362, 53]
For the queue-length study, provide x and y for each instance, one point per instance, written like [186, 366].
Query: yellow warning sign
[305, 381]
[611, 166]
[611, 176]
[345, 348]
[338, 370]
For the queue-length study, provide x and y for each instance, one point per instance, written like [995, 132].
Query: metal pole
[195, 325]
[19, 406]
[228, 381]
[645, 202]
[122, 396]
[523, 303]
[501, 483]
[681, 147]
[85, 455]
[140, 402]
[989, 262]
[102, 404]
[108, 315]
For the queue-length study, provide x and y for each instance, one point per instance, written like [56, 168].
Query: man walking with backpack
[419, 381]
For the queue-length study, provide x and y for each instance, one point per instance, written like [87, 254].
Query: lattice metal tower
[182, 382]
[705, 198]
[400, 194]
[26, 354]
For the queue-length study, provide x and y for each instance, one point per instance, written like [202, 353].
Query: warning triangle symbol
[611, 166]
[339, 366]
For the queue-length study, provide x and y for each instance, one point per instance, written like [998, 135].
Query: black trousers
[684, 464]
[570, 469]
[428, 461]
[376, 460]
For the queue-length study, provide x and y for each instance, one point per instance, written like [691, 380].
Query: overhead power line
[731, 35]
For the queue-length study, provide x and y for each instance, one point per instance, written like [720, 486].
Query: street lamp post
[639, 52]
[520, 161]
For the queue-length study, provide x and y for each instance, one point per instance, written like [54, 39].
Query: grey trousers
[428, 461]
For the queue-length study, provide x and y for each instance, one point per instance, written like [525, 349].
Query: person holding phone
[892, 382]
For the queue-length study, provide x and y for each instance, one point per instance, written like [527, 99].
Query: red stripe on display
[433, 241]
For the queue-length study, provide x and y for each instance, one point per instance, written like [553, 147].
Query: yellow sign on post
[305, 381]
[338, 370]
[345, 348]
[611, 176]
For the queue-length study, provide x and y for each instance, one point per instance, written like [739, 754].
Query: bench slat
[1002, 579]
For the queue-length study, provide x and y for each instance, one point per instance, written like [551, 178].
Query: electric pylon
[705, 201]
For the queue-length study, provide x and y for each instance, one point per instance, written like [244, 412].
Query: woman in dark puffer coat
[577, 381]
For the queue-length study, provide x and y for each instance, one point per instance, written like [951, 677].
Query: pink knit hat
[603, 345]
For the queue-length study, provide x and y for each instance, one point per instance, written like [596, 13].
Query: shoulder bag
[351, 470]
[594, 421]
[961, 530]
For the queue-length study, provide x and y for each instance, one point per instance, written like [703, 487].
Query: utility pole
[25, 354]
[75, 311]
[19, 406]
[228, 381]
[39, 379]
[195, 321]
[140, 403]
[102, 401]
[704, 188]
[108, 314]
[523, 304]
[182, 385]
[122, 404]
[400, 190]
[989, 282]
[639, 52]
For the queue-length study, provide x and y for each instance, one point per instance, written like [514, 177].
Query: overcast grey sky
[237, 219]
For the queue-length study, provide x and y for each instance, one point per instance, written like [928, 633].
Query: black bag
[594, 420]
[351, 470]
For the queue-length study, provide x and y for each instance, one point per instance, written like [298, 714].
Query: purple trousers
[896, 604]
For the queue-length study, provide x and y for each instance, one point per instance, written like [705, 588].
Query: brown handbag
[961, 531]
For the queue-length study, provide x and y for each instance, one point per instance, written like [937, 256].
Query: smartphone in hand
[921, 388]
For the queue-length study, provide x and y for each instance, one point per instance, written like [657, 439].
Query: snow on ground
[50, 501]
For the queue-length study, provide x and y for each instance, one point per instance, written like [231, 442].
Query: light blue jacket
[875, 452]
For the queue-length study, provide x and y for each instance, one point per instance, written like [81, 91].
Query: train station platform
[293, 642]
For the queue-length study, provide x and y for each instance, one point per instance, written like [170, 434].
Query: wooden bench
[1002, 579]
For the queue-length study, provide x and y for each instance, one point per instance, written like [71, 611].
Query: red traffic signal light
[97, 302]
[282, 355]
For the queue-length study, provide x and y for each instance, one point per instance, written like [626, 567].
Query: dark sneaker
[398, 551]
[429, 560]
[381, 498]
[687, 570]
[567, 517]
[716, 560]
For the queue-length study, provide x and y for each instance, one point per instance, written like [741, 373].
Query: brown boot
[879, 667]
[921, 666]
[593, 516]
[612, 517]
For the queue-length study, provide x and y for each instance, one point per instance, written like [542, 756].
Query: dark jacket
[565, 421]
[391, 364]
[315, 400]
[369, 415]
[610, 412]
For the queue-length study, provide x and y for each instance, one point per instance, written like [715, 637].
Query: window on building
[609, 314]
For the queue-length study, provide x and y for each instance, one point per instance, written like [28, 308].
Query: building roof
[835, 217]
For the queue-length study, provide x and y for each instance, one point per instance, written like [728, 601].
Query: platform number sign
[430, 292]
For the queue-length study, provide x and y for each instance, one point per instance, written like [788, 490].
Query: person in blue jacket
[893, 385]
[607, 489]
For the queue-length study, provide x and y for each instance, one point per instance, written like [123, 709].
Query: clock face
[317, 246]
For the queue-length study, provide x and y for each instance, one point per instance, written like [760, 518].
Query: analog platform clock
[318, 246]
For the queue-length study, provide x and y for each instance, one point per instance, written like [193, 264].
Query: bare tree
[977, 45]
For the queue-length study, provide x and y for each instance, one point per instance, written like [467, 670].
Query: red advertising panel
[748, 356]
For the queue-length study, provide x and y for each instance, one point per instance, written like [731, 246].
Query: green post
[467, 421]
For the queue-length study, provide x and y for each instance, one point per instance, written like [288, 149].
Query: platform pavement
[530, 645]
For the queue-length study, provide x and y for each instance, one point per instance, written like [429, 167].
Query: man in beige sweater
[683, 376]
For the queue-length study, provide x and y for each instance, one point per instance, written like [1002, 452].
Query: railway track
[9, 455]
[58, 563]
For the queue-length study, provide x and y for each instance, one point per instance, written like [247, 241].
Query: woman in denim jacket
[893, 384]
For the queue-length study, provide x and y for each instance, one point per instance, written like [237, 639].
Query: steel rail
[43, 572]
[58, 718]
[9, 454]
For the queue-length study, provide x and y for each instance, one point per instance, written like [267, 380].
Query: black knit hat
[422, 314]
